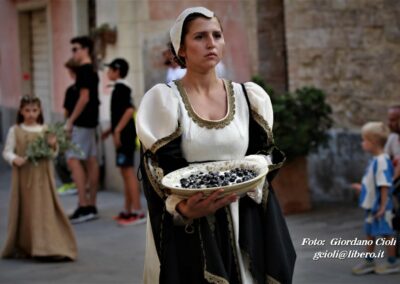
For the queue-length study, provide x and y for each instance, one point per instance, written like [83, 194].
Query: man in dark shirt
[81, 125]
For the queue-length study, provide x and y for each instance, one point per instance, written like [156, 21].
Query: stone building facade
[351, 50]
[348, 48]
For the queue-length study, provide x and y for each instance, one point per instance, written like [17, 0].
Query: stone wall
[351, 50]
[271, 44]
[331, 170]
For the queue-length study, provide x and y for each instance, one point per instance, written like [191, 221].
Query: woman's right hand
[197, 206]
[19, 161]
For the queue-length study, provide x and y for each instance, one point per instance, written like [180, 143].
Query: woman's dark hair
[27, 100]
[185, 29]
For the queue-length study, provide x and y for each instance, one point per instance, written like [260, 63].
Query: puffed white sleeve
[157, 116]
[157, 121]
[9, 148]
[260, 102]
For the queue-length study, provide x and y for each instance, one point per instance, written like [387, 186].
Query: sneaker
[67, 189]
[388, 268]
[93, 209]
[122, 215]
[364, 267]
[82, 214]
[134, 219]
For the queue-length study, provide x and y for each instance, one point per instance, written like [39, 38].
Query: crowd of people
[196, 115]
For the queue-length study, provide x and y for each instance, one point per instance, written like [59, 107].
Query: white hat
[176, 30]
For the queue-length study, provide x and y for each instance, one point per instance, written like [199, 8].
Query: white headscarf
[176, 30]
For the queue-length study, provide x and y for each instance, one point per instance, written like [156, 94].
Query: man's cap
[119, 64]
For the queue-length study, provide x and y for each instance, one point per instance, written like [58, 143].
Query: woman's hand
[19, 161]
[196, 207]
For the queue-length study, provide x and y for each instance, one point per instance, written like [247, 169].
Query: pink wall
[62, 32]
[230, 13]
[10, 73]
[61, 28]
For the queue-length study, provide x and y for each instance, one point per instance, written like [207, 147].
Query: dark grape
[217, 179]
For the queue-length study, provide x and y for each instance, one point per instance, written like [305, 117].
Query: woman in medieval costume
[205, 118]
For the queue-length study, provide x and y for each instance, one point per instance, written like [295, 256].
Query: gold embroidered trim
[210, 123]
[209, 277]
[212, 278]
[265, 196]
[264, 125]
[275, 166]
[271, 280]
[164, 141]
[153, 181]
[161, 228]
[233, 244]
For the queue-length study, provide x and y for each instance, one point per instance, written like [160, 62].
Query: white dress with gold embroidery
[166, 110]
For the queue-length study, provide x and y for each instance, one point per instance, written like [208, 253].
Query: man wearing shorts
[82, 127]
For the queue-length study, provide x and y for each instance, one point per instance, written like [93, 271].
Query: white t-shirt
[392, 146]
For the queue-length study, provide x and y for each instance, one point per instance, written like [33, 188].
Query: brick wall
[350, 49]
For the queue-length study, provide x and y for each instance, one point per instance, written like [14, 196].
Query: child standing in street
[37, 224]
[376, 198]
[124, 136]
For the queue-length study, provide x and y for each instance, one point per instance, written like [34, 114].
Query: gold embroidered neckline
[204, 122]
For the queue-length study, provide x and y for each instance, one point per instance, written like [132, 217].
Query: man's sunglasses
[75, 49]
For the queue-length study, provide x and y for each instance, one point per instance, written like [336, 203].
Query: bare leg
[79, 177]
[132, 193]
[391, 249]
[371, 248]
[93, 179]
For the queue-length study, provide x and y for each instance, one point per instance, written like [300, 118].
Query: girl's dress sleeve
[9, 148]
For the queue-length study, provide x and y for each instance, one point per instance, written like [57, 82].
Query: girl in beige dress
[37, 225]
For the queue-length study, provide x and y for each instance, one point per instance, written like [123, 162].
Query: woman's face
[203, 44]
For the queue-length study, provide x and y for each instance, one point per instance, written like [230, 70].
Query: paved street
[110, 254]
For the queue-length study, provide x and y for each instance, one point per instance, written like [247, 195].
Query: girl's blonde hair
[376, 131]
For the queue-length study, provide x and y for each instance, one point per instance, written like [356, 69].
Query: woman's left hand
[197, 206]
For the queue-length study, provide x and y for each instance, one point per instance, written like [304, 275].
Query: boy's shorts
[378, 227]
[124, 157]
[85, 139]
